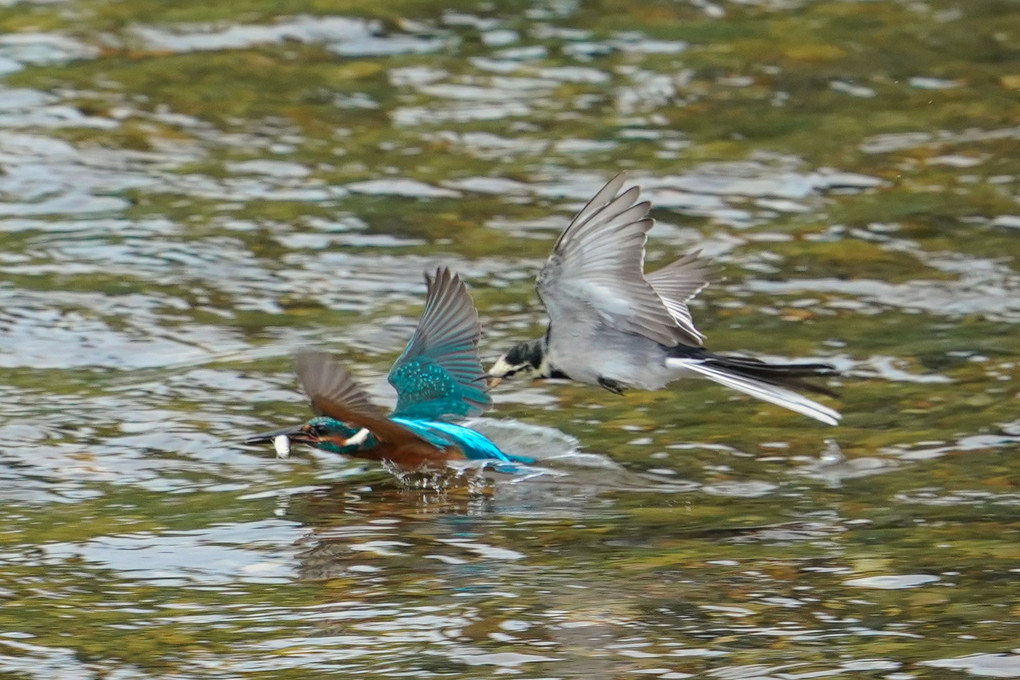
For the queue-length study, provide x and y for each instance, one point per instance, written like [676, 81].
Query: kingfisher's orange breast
[412, 456]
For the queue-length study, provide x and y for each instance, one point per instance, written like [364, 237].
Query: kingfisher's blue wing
[439, 375]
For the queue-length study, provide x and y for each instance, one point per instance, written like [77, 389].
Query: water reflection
[342, 35]
[254, 552]
[18, 50]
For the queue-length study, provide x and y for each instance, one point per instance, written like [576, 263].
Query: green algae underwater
[190, 191]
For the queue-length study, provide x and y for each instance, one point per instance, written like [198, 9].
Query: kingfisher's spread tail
[768, 382]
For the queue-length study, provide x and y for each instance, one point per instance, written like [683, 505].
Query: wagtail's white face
[503, 369]
[524, 360]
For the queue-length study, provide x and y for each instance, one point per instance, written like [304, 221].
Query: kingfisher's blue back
[475, 445]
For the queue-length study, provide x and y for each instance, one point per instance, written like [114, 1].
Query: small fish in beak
[282, 439]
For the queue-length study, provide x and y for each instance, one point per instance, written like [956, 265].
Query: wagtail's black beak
[490, 380]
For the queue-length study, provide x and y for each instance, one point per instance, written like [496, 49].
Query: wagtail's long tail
[765, 381]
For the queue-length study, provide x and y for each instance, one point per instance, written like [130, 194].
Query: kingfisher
[438, 379]
[612, 325]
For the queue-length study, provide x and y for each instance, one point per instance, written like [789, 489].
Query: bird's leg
[611, 385]
[357, 438]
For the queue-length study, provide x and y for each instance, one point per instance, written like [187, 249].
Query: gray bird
[612, 325]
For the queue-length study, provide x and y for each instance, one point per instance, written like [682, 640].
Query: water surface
[190, 191]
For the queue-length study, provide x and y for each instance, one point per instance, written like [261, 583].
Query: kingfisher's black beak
[296, 433]
[490, 380]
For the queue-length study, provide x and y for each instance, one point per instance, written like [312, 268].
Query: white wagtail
[612, 325]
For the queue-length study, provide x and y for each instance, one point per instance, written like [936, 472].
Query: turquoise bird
[438, 378]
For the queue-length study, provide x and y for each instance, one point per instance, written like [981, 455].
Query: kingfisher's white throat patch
[357, 438]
